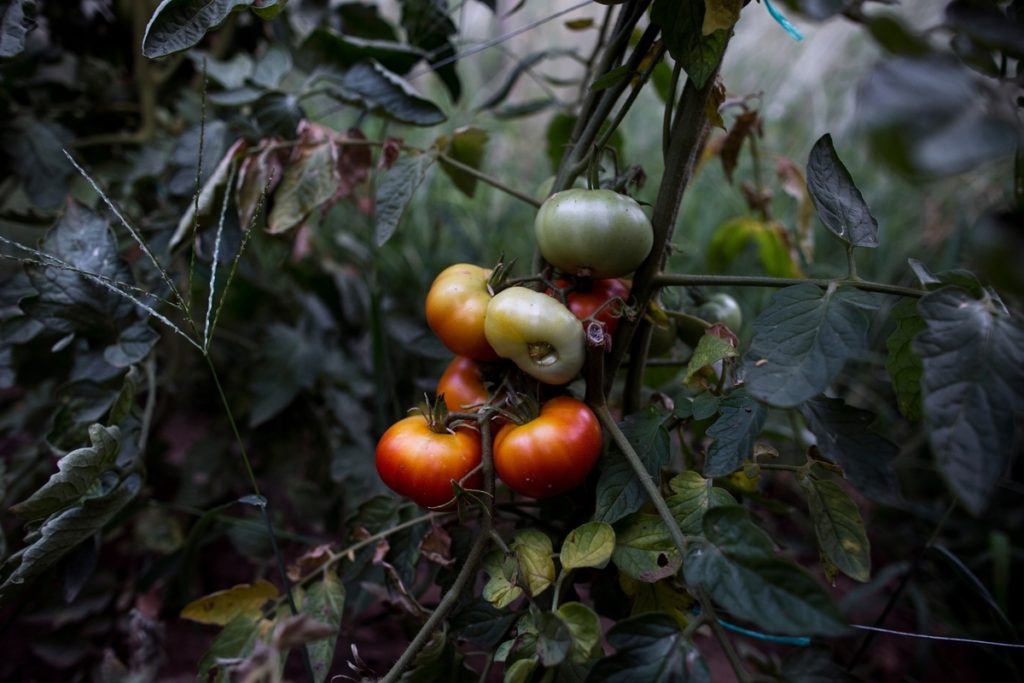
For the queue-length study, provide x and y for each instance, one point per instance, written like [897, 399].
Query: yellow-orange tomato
[420, 463]
[456, 304]
[462, 385]
[552, 453]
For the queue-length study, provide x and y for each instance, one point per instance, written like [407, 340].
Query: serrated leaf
[395, 191]
[223, 606]
[481, 623]
[643, 548]
[177, 25]
[325, 602]
[584, 628]
[370, 86]
[692, 496]
[740, 571]
[650, 648]
[65, 530]
[534, 550]
[13, 28]
[503, 572]
[739, 423]
[705, 405]
[903, 365]
[77, 475]
[844, 436]
[467, 146]
[554, 639]
[972, 388]
[309, 180]
[132, 346]
[619, 492]
[710, 349]
[840, 204]
[802, 340]
[590, 545]
[838, 527]
[681, 26]
[428, 26]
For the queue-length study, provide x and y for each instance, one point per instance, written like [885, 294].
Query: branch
[483, 177]
[679, 280]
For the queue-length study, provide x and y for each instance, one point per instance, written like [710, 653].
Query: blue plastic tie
[783, 21]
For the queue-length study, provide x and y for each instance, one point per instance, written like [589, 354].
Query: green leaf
[534, 550]
[815, 664]
[705, 405]
[844, 436]
[740, 571]
[643, 548]
[520, 671]
[503, 572]
[838, 527]
[132, 346]
[13, 28]
[710, 349]
[35, 151]
[291, 362]
[466, 146]
[395, 191]
[68, 302]
[720, 14]
[427, 26]
[731, 239]
[682, 30]
[904, 366]
[973, 388]
[310, 179]
[177, 25]
[584, 627]
[650, 648]
[802, 340]
[619, 492]
[819, 9]
[481, 623]
[325, 602]
[63, 531]
[325, 46]
[370, 86]
[692, 496]
[235, 641]
[733, 432]
[268, 9]
[523, 66]
[554, 639]
[590, 545]
[78, 474]
[840, 204]
[613, 77]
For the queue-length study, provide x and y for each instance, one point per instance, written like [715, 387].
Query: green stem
[469, 568]
[708, 609]
[493, 182]
[234, 426]
[680, 280]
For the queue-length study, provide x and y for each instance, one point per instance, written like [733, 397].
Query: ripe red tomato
[462, 384]
[552, 453]
[420, 463]
[590, 295]
[456, 304]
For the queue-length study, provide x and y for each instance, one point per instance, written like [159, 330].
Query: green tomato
[537, 333]
[721, 308]
[593, 233]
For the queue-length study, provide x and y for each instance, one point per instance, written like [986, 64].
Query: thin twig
[680, 280]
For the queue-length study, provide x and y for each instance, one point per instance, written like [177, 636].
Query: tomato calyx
[439, 419]
[499, 275]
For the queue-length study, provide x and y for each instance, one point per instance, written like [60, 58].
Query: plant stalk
[681, 280]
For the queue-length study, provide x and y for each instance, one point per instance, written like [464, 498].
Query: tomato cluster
[593, 237]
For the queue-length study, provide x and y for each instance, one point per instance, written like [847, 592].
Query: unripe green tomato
[593, 233]
[537, 333]
[662, 339]
[721, 308]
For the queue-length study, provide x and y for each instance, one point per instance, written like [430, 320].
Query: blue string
[783, 21]
[785, 640]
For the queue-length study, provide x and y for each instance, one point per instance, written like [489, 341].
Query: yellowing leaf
[223, 606]
[720, 14]
[534, 550]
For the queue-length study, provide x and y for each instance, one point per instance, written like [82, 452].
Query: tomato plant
[456, 304]
[550, 454]
[419, 460]
[537, 333]
[596, 296]
[721, 308]
[462, 384]
[593, 233]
